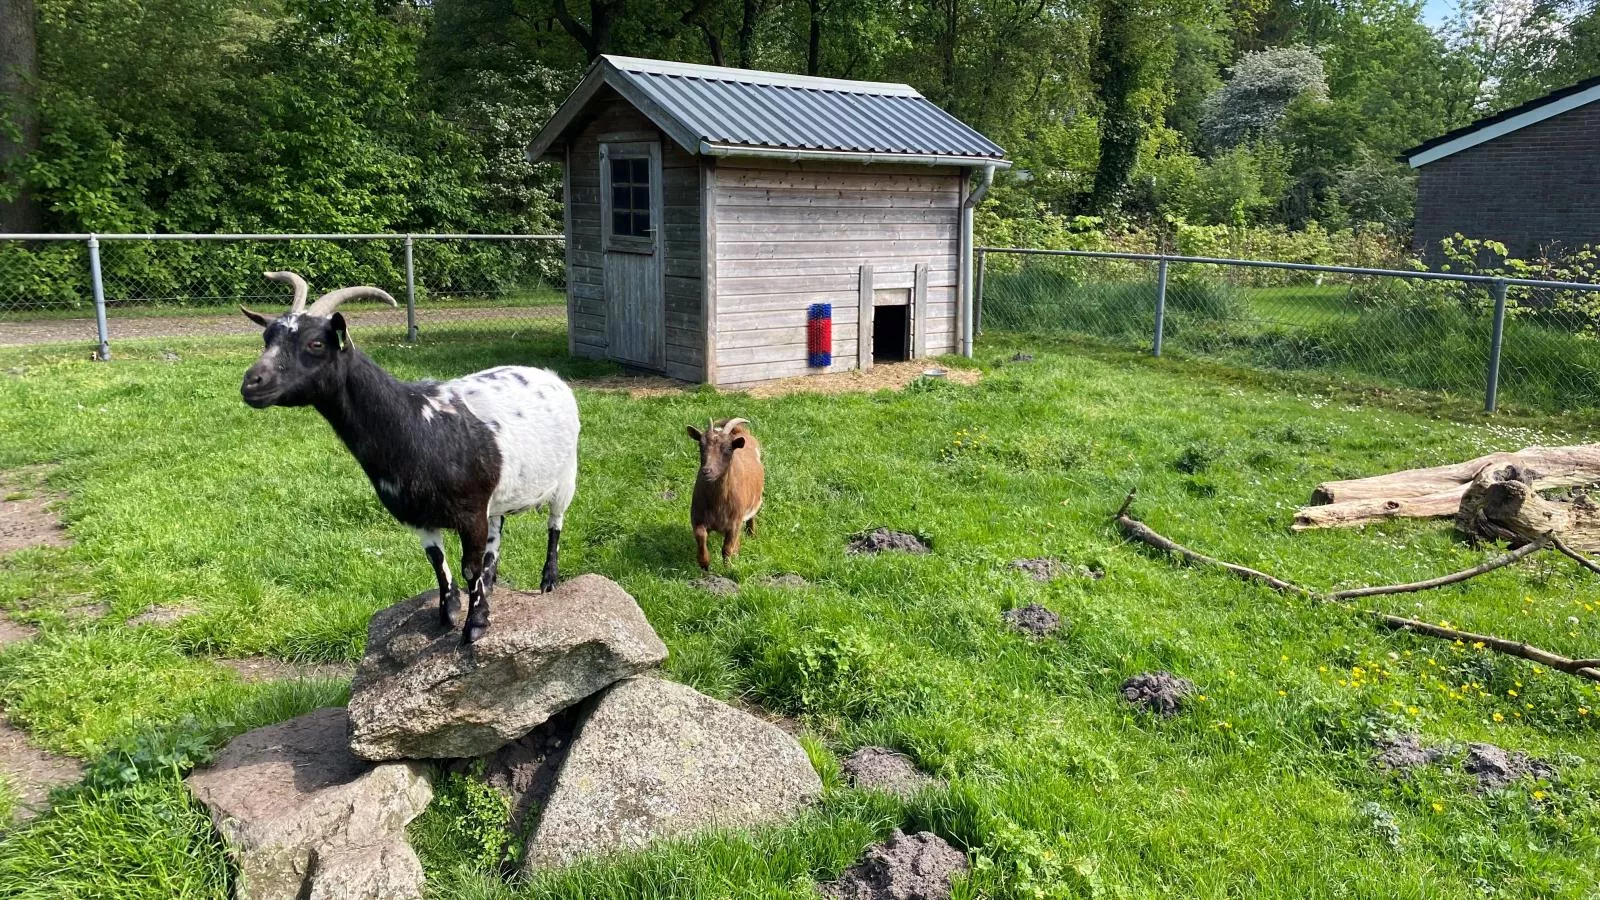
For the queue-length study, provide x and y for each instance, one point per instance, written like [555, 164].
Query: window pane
[641, 223]
[619, 197]
[641, 171]
[641, 197]
[619, 170]
[619, 223]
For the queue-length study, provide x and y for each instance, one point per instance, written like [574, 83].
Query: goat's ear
[694, 434]
[256, 317]
[737, 443]
[341, 331]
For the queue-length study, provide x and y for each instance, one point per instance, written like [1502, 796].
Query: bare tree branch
[1139, 531]
[1453, 578]
[1588, 669]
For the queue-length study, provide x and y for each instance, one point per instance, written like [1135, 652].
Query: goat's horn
[300, 289]
[330, 301]
[731, 424]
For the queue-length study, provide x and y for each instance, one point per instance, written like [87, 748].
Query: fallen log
[1361, 512]
[1437, 491]
[1503, 503]
[1557, 463]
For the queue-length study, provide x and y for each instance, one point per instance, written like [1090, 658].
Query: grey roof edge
[618, 72]
[794, 154]
[756, 76]
[600, 75]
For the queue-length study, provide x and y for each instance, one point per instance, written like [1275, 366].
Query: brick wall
[1532, 189]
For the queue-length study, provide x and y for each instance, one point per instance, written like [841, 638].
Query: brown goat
[727, 490]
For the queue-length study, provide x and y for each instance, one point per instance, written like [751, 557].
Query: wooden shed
[709, 210]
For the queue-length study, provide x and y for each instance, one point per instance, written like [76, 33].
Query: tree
[1260, 91]
[19, 113]
[1119, 70]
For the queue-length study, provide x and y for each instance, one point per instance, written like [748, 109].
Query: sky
[1437, 12]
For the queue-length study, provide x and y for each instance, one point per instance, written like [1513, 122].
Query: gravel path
[73, 331]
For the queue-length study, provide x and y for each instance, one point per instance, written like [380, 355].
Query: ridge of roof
[1530, 109]
[639, 65]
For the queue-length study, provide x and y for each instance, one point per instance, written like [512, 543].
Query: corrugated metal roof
[741, 108]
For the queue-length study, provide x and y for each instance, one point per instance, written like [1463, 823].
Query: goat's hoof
[472, 633]
[449, 615]
[547, 583]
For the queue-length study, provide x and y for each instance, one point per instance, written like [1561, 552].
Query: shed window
[630, 198]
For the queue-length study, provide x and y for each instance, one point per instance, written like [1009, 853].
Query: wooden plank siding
[681, 219]
[791, 234]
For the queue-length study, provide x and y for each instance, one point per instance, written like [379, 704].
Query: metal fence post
[1161, 304]
[977, 326]
[411, 294]
[103, 352]
[1492, 396]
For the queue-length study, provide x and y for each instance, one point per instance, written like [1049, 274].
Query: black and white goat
[459, 455]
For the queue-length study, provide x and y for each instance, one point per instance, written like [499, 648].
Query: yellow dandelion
[1438, 807]
[1511, 693]
[1322, 668]
[1499, 718]
[1477, 645]
[1283, 693]
[1411, 710]
[1538, 795]
[1583, 710]
[1283, 657]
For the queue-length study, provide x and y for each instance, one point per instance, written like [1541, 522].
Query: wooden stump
[1503, 503]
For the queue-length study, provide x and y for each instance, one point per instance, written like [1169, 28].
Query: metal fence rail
[149, 285]
[1440, 331]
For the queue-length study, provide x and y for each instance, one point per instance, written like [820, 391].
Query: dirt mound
[716, 584]
[883, 377]
[1032, 619]
[1039, 568]
[1405, 751]
[1496, 767]
[918, 867]
[790, 581]
[883, 540]
[882, 769]
[163, 615]
[1161, 693]
[1047, 568]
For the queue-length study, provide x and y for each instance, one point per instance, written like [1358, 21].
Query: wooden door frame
[636, 146]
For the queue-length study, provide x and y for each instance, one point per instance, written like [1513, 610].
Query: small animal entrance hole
[891, 333]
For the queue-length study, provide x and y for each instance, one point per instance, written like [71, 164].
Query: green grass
[1316, 328]
[178, 493]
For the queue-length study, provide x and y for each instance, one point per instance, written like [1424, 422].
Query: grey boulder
[652, 760]
[302, 817]
[419, 694]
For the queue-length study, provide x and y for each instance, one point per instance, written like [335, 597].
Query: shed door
[630, 223]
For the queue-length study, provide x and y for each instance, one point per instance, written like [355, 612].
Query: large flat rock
[303, 817]
[419, 694]
[652, 759]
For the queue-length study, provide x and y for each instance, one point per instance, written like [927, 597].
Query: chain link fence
[1536, 343]
[98, 289]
